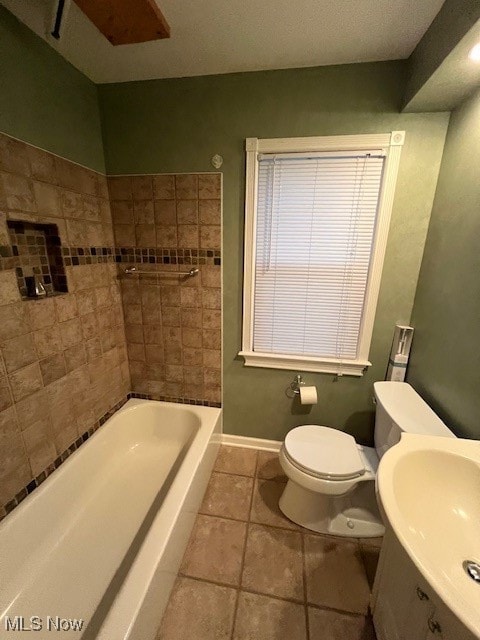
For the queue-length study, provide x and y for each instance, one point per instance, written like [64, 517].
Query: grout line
[244, 552]
[305, 596]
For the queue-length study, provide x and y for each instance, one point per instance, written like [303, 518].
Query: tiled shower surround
[163, 225]
[63, 359]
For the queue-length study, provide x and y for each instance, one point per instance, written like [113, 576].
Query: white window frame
[392, 144]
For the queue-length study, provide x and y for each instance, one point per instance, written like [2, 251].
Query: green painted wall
[445, 364]
[178, 125]
[44, 100]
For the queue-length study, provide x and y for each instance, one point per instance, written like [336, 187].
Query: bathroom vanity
[404, 605]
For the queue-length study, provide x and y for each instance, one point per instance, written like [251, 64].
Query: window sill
[302, 363]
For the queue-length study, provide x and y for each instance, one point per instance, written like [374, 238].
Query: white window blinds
[315, 226]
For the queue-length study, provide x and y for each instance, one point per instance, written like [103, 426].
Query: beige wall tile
[153, 334]
[155, 354]
[145, 235]
[6, 399]
[210, 212]
[192, 357]
[71, 332]
[14, 320]
[190, 297]
[120, 188]
[75, 357]
[186, 187]
[164, 187]
[52, 368]
[18, 192]
[122, 212]
[71, 204]
[134, 333]
[39, 445]
[211, 299]
[165, 212]
[42, 165]
[191, 317]
[211, 339]
[25, 381]
[47, 199]
[210, 237]
[188, 236]
[65, 308]
[91, 208]
[187, 211]
[166, 236]
[212, 358]
[171, 316]
[14, 155]
[18, 352]
[47, 341]
[212, 319]
[41, 313]
[212, 378]
[124, 235]
[143, 212]
[191, 337]
[209, 186]
[9, 292]
[142, 187]
[136, 351]
[32, 408]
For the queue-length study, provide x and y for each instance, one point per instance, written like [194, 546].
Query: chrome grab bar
[164, 274]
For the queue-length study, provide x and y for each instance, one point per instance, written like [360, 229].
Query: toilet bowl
[331, 486]
[331, 478]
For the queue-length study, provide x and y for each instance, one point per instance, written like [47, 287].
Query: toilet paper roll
[308, 395]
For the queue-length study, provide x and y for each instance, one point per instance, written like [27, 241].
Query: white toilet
[331, 478]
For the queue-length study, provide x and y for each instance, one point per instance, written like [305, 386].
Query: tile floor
[250, 574]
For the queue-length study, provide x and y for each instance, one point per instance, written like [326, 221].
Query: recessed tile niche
[39, 250]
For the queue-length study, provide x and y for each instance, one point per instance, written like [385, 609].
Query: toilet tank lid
[408, 410]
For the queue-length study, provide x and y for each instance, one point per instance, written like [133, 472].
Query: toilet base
[353, 515]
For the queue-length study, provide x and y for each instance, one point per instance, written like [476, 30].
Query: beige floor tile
[215, 550]
[273, 562]
[265, 509]
[335, 574]
[198, 611]
[268, 467]
[228, 496]
[264, 618]
[330, 625]
[236, 460]
[370, 561]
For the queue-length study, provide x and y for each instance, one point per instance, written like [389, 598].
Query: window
[316, 224]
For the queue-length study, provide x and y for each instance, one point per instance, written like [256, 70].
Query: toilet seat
[324, 452]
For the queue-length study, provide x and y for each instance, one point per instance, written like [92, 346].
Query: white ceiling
[225, 36]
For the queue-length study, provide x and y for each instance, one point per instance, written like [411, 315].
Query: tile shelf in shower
[38, 250]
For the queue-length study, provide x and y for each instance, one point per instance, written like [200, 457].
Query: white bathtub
[102, 538]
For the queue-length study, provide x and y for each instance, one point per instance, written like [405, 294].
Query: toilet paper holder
[296, 384]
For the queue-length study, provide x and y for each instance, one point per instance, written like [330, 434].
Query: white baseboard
[250, 443]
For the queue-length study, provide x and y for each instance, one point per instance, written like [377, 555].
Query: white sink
[429, 489]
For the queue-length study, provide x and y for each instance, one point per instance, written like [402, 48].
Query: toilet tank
[400, 409]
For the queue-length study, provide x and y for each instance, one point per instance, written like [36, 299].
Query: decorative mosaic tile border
[36, 482]
[73, 256]
[155, 255]
[198, 403]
